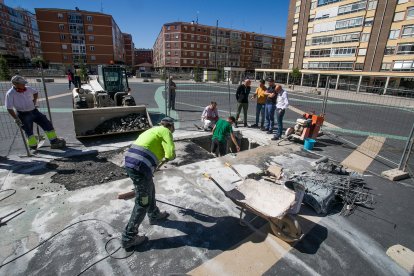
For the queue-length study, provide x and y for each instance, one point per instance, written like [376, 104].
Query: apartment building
[350, 35]
[77, 36]
[183, 46]
[143, 56]
[19, 36]
[129, 49]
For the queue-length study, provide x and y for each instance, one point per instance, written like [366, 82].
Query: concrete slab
[395, 174]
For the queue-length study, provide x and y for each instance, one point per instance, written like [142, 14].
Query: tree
[4, 70]
[84, 71]
[219, 74]
[295, 74]
[39, 62]
[197, 74]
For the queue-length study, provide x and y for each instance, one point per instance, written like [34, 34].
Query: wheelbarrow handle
[233, 169]
[206, 175]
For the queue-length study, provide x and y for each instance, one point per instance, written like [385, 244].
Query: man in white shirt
[20, 102]
[281, 105]
[209, 116]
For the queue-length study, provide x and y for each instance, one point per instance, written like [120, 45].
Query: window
[326, 2]
[92, 48]
[329, 65]
[386, 66]
[399, 16]
[167, 45]
[365, 37]
[93, 57]
[185, 45]
[175, 27]
[296, 21]
[372, 5]
[405, 49]
[403, 65]
[410, 13]
[369, 21]
[167, 36]
[359, 66]
[168, 53]
[177, 37]
[89, 18]
[185, 61]
[408, 31]
[192, 45]
[62, 37]
[389, 50]
[349, 23]
[185, 29]
[362, 51]
[90, 28]
[64, 47]
[61, 27]
[297, 9]
[65, 57]
[394, 34]
[176, 53]
[60, 15]
[168, 28]
[402, 1]
[354, 7]
[91, 38]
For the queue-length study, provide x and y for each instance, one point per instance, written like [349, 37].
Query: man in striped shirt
[141, 161]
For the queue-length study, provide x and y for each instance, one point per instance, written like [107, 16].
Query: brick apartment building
[182, 46]
[77, 36]
[345, 35]
[129, 49]
[19, 38]
[143, 56]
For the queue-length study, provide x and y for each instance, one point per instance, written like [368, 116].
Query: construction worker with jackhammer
[141, 160]
[20, 102]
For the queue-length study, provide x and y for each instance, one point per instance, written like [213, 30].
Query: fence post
[166, 92]
[325, 97]
[228, 87]
[407, 150]
[46, 96]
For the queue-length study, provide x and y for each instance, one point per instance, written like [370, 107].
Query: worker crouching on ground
[24, 99]
[221, 131]
[141, 161]
[209, 116]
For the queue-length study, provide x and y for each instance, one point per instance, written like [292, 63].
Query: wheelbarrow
[268, 201]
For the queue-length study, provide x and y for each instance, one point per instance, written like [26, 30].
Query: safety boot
[135, 241]
[58, 143]
[160, 217]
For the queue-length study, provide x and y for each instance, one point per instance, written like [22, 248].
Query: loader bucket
[86, 120]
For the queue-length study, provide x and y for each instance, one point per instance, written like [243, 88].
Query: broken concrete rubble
[131, 122]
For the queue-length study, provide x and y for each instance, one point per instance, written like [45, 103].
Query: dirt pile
[131, 122]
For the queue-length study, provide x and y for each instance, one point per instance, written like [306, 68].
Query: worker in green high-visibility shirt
[21, 103]
[141, 160]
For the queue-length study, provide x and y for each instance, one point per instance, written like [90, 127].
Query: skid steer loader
[104, 105]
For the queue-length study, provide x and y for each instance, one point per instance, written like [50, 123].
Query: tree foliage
[4, 70]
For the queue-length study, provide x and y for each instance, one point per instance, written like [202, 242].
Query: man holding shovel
[141, 160]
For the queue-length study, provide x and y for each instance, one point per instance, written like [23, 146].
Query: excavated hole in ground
[97, 168]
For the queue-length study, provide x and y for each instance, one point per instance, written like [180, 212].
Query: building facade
[183, 46]
[76, 36]
[19, 36]
[129, 49]
[349, 35]
[143, 56]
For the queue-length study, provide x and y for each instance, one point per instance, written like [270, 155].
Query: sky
[144, 18]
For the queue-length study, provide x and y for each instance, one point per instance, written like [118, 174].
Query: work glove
[18, 122]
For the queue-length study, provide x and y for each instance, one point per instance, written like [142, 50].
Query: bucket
[299, 193]
[309, 143]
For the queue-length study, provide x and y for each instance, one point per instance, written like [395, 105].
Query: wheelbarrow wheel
[287, 229]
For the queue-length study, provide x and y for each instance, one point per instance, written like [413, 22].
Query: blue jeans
[280, 114]
[34, 116]
[270, 116]
[144, 202]
[260, 109]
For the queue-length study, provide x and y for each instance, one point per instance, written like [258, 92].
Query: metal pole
[24, 142]
[325, 98]
[166, 92]
[215, 56]
[228, 87]
[407, 150]
[46, 96]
